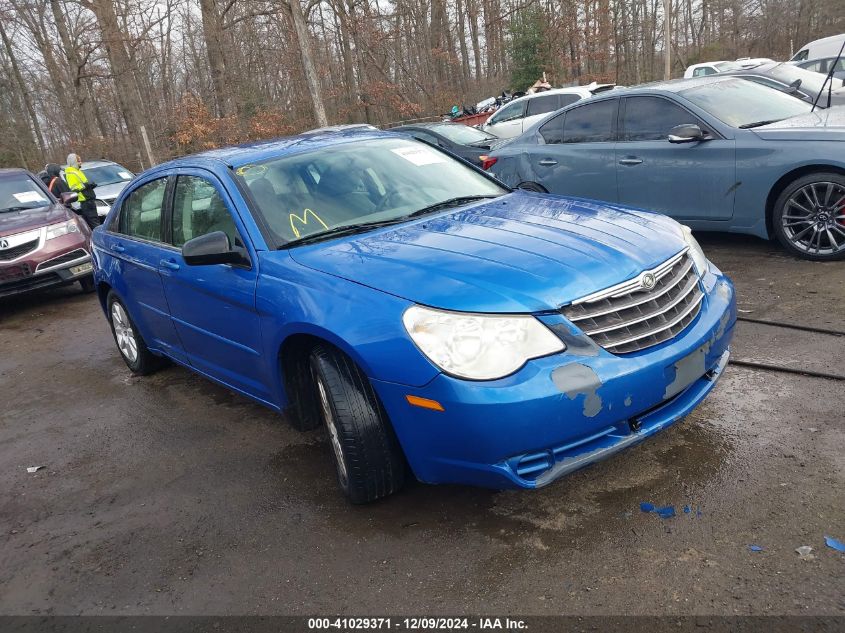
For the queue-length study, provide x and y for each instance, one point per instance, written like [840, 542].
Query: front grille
[18, 251]
[79, 253]
[628, 318]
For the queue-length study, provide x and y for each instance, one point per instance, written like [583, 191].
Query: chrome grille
[18, 251]
[627, 318]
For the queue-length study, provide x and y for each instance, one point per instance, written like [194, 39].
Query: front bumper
[52, 263]
[562, 412]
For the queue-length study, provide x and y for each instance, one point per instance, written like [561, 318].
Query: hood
[20, 221]
[820, 125]
[110, 192]
[522, 252]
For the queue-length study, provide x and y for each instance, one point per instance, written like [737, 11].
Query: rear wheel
[532, 186]
[367, 456]
[809, 217]
[131, 345]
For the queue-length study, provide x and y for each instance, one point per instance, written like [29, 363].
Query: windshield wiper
[747, 126]
[19, 208]
[446, 204]
[340, 231]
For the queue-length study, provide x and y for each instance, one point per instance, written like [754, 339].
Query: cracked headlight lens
[698, 257]
[479, 346]
[57, 230]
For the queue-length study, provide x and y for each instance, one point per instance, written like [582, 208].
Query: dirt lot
[168, 494]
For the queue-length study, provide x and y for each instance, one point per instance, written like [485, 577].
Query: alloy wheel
[813, 218]
[330, 425]
[123, 332]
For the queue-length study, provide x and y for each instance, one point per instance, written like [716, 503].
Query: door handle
[117, 248]
[630, 161]
[548, 162]
[169, 264]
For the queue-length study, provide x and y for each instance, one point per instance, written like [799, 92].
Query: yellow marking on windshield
[303, 220]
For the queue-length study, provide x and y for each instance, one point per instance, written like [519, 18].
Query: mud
[170, 495]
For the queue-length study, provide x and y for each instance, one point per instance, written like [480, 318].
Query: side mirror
[686, 133]
[211, 248]
[69, 197]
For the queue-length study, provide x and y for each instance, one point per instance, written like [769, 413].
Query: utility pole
[667, 47]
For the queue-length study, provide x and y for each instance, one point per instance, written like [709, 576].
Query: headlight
[57, 230]
[479, 346]
[698, 257]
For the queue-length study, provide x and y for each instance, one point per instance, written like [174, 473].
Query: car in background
[43, 244]
[520, 114]
[110, 178]
[717, 153]
[799, 82]
[428, 316]
[818, 49]
[749, 62]
[710, 68]
[467, 142]
[823, 66]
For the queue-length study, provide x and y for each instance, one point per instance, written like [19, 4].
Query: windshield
[368, 181]
[725, 66]
[462, 134]
[107, 174]
[739, 102]
[21, 192]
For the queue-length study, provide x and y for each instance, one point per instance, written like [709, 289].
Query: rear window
[591, 123]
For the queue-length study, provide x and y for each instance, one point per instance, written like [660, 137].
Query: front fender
[364, 323]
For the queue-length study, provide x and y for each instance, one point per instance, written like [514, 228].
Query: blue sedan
[433, 320]
[717, 153]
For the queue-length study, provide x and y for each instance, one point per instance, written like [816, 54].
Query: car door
[577, 157]
[213, 306]
[507, 122]
[134, 243]
[694, 180]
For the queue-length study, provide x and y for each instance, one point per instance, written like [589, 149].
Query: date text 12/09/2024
[415, 624]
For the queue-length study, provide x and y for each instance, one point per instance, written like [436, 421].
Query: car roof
[553, 91]
[8, 172]
[678, 85]
[257, 151]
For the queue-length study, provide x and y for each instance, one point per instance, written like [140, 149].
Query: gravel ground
[171, 495]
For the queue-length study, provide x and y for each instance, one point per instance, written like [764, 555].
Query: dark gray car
[466, 142]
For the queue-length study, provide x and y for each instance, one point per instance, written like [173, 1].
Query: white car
[817, 49]
[710, 68]
[520, 114]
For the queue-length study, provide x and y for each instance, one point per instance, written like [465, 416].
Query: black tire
[144, 362]
[532, 186]
[87, 284]
[368, 459]
[807, 229]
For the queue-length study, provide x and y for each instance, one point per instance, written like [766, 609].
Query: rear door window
[140, 215]
[591, 123]
[542, 105]
[568, 99]
[552, 131]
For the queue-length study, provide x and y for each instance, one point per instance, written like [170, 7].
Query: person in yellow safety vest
[78, 182]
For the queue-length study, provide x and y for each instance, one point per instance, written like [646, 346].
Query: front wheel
[367, 456]
[87, 284]
[532, 186]
[131, 345]
[809, 217]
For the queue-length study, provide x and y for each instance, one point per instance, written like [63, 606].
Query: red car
[43, 244]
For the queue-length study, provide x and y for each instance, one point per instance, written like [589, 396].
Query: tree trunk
[213, 32]
[307, 58]
[25, 97]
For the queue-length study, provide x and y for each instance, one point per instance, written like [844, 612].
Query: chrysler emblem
[4, 243]
[648, 281]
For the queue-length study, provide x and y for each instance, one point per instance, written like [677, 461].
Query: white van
[520, 114]
[825, 47]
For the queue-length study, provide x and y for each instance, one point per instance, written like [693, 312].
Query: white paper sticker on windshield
[29, 196]
[125, 175]
[419, 155]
